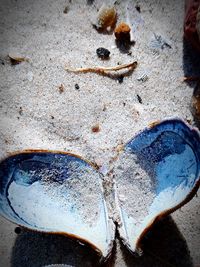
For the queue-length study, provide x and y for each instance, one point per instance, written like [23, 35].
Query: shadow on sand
[163, 246]
[191, 68]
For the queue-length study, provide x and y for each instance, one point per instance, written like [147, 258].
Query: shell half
[157, 172]
[56, 193]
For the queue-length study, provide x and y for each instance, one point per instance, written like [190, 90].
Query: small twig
[103, 70]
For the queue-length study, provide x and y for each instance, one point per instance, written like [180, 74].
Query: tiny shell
[106, 18]
[16, 59]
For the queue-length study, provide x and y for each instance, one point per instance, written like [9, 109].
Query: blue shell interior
[55, 192]
[171, 151]
[28, 168]
[155, 174]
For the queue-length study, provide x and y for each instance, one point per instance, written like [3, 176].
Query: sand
[36, 114]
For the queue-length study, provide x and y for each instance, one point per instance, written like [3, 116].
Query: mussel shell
[157, 173]
[57, 193]
[60, 193]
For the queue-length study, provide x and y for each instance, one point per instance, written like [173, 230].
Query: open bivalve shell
[156, 173]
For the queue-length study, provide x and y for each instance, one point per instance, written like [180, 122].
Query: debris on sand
[77, 87]
[103, 53]
[106, 19]
[123, 37]
[66, 10]
[16, 59]
[61, 88]
[159, 43]
[103, 70]
[95, 128]
[122, 33]
[143, 77]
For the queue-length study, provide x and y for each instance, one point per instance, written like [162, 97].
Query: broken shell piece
[158, 43]
[106, 18]
[16, 59]
[143, 77]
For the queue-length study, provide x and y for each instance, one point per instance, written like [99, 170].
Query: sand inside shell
[134, 186]
[80, 194]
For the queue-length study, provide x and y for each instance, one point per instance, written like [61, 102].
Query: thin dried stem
[103, 70]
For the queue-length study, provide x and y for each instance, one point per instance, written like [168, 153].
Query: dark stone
[103, 53]
[77, 87]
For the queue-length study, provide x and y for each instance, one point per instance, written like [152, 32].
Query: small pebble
[95, 128]
[20, 111]
[61, 88]
[120, 79]
[66, 10]
[18, 230]
[137, 7]
[77, 86]
[103, 53]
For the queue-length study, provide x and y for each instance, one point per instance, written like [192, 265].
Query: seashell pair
[156, 173]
